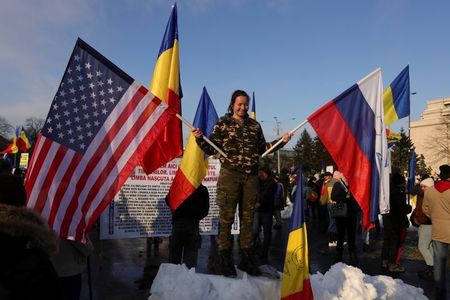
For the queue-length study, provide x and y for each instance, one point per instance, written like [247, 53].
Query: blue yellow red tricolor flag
[392, 137]
[11, 148]
[166, 86]
[253, 114]
[23, 143]
[194, 165]
[396, 98]
[295, 283]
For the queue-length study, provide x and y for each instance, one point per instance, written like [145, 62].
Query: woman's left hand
[287, 137]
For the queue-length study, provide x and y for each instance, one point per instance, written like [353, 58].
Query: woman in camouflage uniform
[242, 140]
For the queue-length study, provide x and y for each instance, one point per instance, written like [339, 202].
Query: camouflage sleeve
[216, 138]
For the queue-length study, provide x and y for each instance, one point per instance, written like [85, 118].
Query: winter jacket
[242, 143]
[26, 244]
[436, 205]
[71, 258]
[266, 195]
[399, 209]
[418, 215]
[340, 194]
[325, 193]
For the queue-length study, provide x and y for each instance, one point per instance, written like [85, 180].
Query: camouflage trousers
[235, 187]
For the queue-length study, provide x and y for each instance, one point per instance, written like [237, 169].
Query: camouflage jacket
[243, 144]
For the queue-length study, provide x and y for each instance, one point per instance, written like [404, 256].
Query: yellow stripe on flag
[296, 265]
[194, 165]
[390, 115]
[166, 73]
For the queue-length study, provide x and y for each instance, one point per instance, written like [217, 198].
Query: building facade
[431, 134]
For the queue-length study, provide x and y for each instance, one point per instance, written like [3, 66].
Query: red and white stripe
[70, 189]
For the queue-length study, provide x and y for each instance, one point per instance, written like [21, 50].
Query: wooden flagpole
[188, 124]
[281, 140]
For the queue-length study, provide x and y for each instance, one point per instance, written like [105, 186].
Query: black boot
[226, 267]
[249, 262]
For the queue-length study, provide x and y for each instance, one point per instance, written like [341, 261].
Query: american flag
[100, 122]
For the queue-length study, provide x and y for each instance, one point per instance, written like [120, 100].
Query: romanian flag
[23, 143]
[351, 127]
[253, 114]
[193, 166]
[392, 137]
[295, 283]
[166, 86]
[396, 98]
[11, 148]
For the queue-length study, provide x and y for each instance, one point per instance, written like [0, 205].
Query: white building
[431, 134]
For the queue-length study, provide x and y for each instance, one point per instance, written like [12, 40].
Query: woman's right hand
[197, 132]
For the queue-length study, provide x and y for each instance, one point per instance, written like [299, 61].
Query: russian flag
[166, 86]
[351, 127]
[193, 166]
[295, 283]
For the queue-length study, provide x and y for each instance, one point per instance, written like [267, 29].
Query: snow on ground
[340, 282]
[345, 282]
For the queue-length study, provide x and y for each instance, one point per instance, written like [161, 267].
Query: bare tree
[438, 142]
[6, 129]
[33, 127]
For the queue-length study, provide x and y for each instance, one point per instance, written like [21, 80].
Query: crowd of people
[33, 261]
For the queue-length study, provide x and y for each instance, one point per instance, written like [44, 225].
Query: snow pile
[177, 282]
[346, 282]
[340, 282]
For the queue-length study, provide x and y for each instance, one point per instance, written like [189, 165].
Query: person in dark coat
[347, 224]
[185, 237]
[26, 244]
[12, 190]
[265, 206]
[394, 222]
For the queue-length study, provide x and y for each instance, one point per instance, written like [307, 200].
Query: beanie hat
[427, 182]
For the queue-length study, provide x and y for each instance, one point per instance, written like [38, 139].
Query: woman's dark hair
[236, 94]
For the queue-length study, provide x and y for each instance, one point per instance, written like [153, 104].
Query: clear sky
[295, 55]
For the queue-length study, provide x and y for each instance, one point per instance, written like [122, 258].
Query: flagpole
[369, 76]
[281, 140]
[188, 124]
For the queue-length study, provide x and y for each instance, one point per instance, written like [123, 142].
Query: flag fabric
[166, 86]
[23, 143]
[351, 127]
[253, 113]
[295, 283]
[412, 172]
[396, 98]
[99, 124]
[392, 138]
[194, 165]
[11, 148]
